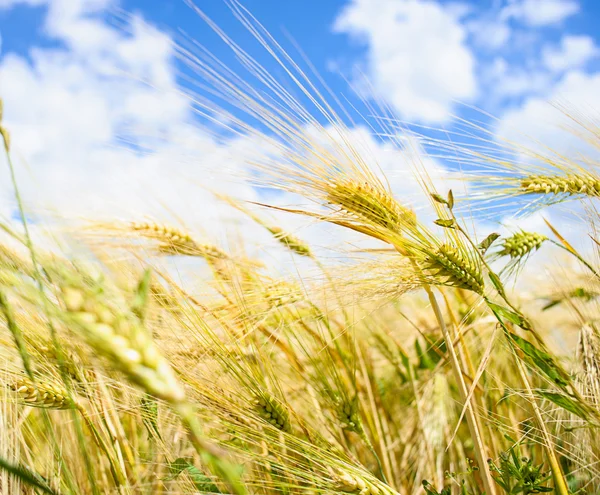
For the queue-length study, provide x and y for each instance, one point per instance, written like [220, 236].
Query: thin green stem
[559, 480]
[21, 347]
[560, 485]
[209, 453]
[578, 256]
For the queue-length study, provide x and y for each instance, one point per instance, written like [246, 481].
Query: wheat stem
[207, 451]
[24, 356]
[472, 421]
[560, 485]
[578, 256]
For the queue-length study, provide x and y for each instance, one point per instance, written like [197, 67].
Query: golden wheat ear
[44, 394]
[369, 204]
[562, 186]
[122, 339]
[289, 240]
[273, 411]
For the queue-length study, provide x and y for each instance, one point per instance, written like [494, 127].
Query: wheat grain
[291, 242]
[346, 482]
[280, 293]
[42, 394]
[174, 241]
[348, 415]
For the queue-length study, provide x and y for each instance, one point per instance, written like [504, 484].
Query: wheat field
[424, 363]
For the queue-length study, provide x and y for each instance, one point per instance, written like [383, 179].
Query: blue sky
[74, 74]
[521, 52]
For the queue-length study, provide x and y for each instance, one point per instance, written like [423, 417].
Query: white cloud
[68, 109]
[573, 52]
[520, 81]
[490, 33]
[537, 121]
[540, 125]
[517, 58]
[418, 59]
[540, 12]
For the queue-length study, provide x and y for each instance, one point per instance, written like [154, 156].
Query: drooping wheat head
[370, 205]
[521, 167]
[347, 482]
[348, 414]
[174, 241]
[289, 240]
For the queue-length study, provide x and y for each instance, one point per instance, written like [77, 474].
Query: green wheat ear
[273, 411]
[521, 244]
[449, 266]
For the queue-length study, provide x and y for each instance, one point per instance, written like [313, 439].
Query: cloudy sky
[100, 129]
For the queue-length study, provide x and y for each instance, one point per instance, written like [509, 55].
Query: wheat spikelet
[450, 266]
[571, 184]
[174, 241]
[10, 259]
[281, 293]
[161, 232]
[348, 414]
[521, 244]
[42, 394]
[125, 342]
[13, 267]
[273, 411]
[346, 482]
[589, 358]
[368, 203]
[288, 240]
[291, 242]
[69, 361]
